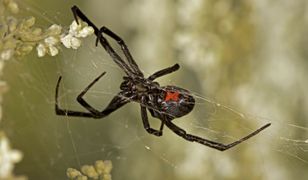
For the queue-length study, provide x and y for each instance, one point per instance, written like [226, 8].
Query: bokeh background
[248, 55]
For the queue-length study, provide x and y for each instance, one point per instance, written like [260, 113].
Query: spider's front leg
[104, 42]
[120, 41]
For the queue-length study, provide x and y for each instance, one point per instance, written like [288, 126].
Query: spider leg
[117, 102]
[117, 59]
[124, 48]
[146, 123]
[212, 144]
[65, 112]
[163, 72]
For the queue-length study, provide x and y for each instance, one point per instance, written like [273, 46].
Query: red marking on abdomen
[174, 96]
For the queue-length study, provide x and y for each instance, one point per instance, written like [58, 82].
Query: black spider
[164, 102]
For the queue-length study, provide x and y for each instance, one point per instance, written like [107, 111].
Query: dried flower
[101, 170]
[11, 5]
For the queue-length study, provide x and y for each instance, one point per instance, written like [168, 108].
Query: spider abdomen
[174, 102]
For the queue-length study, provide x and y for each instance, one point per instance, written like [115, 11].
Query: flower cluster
[49, 44]
[8, 157]
[71, 39]
[101, 170]
[20, 37]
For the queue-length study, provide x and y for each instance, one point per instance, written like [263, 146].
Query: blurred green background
[248, 55]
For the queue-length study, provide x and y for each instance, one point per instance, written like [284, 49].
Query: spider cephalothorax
[164, 102]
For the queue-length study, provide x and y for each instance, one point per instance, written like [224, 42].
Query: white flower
[8, 157]
[41, 50]
[70, 41]
[49, 46]
[53, 50]
[51, 41]
[86, 31]
[6, 54]
[74, 28]
[76, 31]
[80, 30]
[55, 29]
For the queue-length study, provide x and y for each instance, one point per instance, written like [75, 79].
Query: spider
[163, 102]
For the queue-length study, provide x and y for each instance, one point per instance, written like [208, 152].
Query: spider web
[51, 143]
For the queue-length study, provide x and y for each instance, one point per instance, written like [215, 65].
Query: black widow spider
[164, 102]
